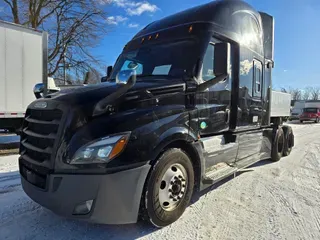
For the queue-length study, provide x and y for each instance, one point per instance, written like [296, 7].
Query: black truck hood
[94, 93]
[85, 98]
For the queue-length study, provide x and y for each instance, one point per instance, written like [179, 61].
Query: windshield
[311, 110]
[168, 60]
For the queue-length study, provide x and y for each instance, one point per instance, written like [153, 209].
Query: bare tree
[306, 93]
[315, 93]
[74, 27]
[296, 93]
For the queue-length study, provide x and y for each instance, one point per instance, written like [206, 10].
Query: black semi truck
[186, 104]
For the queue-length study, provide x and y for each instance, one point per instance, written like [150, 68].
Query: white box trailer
[280, 105]
[23, 64]
[312, 104]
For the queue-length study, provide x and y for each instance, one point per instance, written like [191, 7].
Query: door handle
[227, 116]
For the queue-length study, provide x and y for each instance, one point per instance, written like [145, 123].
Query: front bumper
[294, 118]
[308, 119]
[116, 197]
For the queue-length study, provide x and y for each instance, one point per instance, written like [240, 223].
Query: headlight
[101, 151]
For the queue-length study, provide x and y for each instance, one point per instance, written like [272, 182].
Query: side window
[257, 78]
[207, 67]
[132, 65]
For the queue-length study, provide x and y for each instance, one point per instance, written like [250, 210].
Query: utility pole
[64, 66]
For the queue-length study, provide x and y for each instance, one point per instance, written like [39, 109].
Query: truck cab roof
[235, 20]
[225, 14]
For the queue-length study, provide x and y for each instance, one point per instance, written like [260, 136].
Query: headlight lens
[101, 151]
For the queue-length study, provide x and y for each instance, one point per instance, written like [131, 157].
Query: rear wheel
[301, 121]
[169, 188]
[277, 145]
[289, 141]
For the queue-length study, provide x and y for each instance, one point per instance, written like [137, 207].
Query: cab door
[251, 106]
[213, 107]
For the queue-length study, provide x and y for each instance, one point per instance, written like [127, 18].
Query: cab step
[217, 174]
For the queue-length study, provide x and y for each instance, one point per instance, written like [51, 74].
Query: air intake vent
[167, 90]
[133, 96]
[39, 134]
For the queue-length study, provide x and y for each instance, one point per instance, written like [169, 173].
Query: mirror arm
[37, 95]
[103, 105]
[211, 82]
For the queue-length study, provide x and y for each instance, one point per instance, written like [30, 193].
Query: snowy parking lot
[266, 201]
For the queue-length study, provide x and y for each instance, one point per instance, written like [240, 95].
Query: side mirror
[109, 71]
[126, 77]
[38, 90]
[221, 58]
[104, 79]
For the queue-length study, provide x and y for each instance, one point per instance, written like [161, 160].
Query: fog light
[83, 208]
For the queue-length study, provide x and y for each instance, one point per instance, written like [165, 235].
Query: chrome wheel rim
[173, 187]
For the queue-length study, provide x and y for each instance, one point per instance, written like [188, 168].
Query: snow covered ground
[267, 201]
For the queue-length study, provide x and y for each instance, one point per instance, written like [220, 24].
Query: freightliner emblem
[40, 105]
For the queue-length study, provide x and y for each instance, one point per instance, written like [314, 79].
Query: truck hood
[95, 92]
[86, 97]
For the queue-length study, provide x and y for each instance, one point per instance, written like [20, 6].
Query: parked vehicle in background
[310, 114]
[22, 65]
[299, 107]
[312, 104]
[187, 104]
[297, 110]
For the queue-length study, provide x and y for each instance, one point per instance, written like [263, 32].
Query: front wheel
[169, 188]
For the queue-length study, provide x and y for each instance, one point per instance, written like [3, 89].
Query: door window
[214, 102]
[257, 79]
[207, 72]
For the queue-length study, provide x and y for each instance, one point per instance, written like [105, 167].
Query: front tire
[169, 188]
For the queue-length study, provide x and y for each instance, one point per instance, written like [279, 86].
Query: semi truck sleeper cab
[186, 104]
